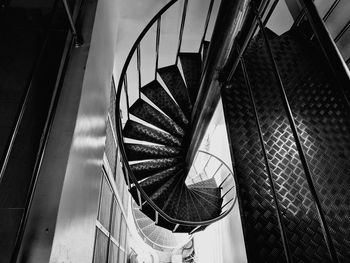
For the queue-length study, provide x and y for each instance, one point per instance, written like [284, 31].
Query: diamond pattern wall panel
[322, 116]
[258, 209]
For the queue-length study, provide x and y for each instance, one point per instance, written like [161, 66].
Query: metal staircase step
[149, 114]
[155, 92]
[174, 82]
[191, 64]
[138, 131]
[209, 183]
[145, 169]
[154, 183]
[143, 152]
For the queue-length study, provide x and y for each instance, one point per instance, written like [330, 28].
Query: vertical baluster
[138, 54]
[184, 11]
[126, 94]
[157, 46]
[206, 25]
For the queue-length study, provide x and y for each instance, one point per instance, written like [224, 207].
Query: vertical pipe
[184, 11]
[138, 55]
[299, 146]
[330, 10]
[210, 8]
[77, 41]
[157, 46]
[267, 164]
[126, 94]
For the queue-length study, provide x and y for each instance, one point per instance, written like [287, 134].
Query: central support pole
[221, 46]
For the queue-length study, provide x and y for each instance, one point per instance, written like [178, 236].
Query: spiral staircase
[154, 138]
[286, 106]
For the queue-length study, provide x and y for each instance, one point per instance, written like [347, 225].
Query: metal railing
[123, 87]
[208, 167]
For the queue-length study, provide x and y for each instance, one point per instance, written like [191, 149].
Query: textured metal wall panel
[322, 118]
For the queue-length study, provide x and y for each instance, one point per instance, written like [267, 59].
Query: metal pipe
[299, 146]
[184, 11]
[330, 10]
[77, 40]
[267, 164]
[226, 203]
[342, 32]
[176, 226]
[210, 87]
[139, 197]
[227, 192]
[157, 215]
[195, 229]
[138, 62]
[157, 45]
[206, 25]
[224, 180]
[126, 95]
[218, 169]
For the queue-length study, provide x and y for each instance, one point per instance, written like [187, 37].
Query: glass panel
[101, 247]
[116, 220]
[121, 256]
[194, 27]
[169, 34]
[148, 55]
[110, 148]
[113, 253]
[122, 233]
[105, 204]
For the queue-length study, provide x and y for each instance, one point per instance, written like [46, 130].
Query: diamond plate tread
[209, 192]
[171, 203]
[138, 131]
[322, 117]
[258, 210]
[214, 200]
[155, 92]
[154, 183]
[201, 208]
[149, 114]
[175, 84]
[191, 206]
[213, 205]
[160, 196]
[143, 152]
[191, 64]
[175, 210]
[145, 169]
[209, 183]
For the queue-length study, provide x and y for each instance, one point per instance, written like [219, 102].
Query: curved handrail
[120, 136]
[141, 233]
